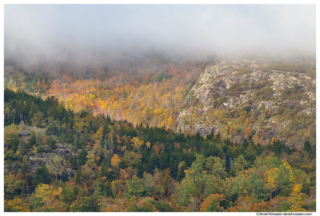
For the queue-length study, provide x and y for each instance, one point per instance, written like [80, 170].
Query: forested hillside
[242, 99]
[60, 160]
[149, 91]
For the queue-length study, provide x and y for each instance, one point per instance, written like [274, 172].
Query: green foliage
[222, 99]
[33, 140]
[78, 176]
[175, 173]
[10, 155]
[240, 164]
[38, 120]
[14, 142]
[52, 129]
[307, 147]
[89, 204]
[263, 94]
[83, 155]
[213, 206]
[135, 187]
[51, 143]
[41, 176]
[295, 93]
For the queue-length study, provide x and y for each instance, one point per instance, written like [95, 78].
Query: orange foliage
[207, 202]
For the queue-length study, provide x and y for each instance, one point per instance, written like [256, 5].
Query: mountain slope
[258, 100]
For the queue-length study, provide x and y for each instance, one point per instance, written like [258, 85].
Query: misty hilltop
[34, 34]
[171, 108]
[240, 99]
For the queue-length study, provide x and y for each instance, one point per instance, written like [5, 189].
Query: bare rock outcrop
[250, 85]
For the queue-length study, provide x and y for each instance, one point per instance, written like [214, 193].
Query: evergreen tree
[51, 143]
[41, 175]
[33, 140]
[83, 155]
[14, 143]
[307, 147]
[78, 175]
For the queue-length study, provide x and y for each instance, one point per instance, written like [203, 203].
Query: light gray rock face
[62, 151]
[24, 133]
[205, 129]
[216, 80]
[217, 83]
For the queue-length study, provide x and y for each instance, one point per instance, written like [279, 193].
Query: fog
[84, 33]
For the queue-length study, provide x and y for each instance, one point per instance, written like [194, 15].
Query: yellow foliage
[8, 132]
[74, 207]
[296, 198]
[97, 159]
[91, 160]
[295, 208]
[57, 192]
[44, 192]
[136, 142]
[145, 203]
[296, 189]
[16, 205]
[270, 178]
[97, 135]
[103, 179]
[207, 202]
[115, 160]
[287, 165]
[34, 150]
[79, 125]
[123, 148]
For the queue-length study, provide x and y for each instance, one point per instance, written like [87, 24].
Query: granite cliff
[253, 99]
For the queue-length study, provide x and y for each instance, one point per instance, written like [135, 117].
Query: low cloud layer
[82, 33]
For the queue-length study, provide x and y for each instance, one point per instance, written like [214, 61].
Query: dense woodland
[149, 93]
[154, 91]
[120, 166]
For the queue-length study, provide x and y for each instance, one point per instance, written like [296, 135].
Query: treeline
[114, 166]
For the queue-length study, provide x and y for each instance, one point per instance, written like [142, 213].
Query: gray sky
[84, 32]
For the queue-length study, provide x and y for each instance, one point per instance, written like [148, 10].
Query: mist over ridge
[82, 34]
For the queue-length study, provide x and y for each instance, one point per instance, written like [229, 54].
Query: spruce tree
[33, 140]
[83, 155]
